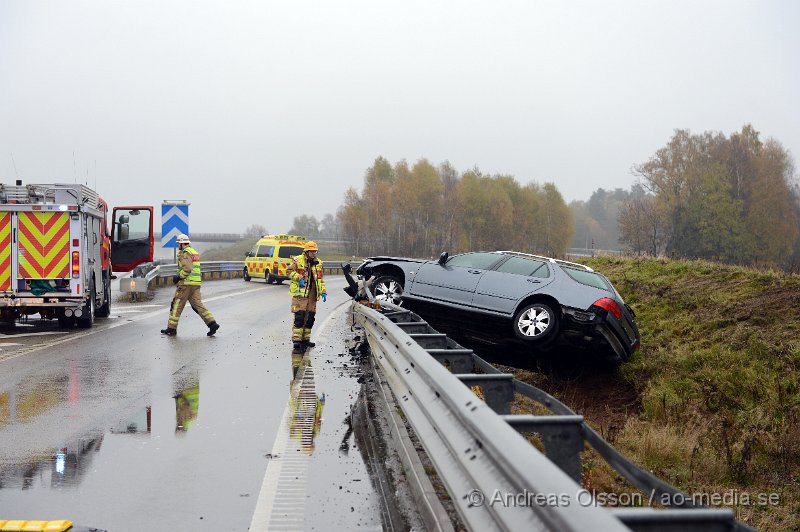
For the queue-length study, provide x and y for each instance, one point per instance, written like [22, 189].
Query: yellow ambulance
[270, 256]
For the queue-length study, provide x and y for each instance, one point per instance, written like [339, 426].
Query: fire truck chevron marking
[43, 245]
[5, 251]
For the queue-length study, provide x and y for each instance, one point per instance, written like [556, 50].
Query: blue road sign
[174, 221]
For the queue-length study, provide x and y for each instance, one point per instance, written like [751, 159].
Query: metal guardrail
[477, 445]
[160, 274]
[477, 454]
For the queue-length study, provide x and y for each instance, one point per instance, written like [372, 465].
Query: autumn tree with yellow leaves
[730, 198]
[424, 209]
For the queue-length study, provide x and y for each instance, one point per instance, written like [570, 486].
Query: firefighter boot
[307, 344]
[212, 328]
[297, 347]
[169, 331]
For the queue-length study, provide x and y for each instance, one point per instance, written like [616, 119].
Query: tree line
[421, 210]
[728, 198]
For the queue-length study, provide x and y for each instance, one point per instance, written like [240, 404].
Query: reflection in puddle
[66, 466]
[31, 398]
[141, 422]
[61, 468]
[305, 407]
[187, 405]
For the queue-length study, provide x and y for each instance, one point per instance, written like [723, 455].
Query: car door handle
[475, 271]
[533, 280]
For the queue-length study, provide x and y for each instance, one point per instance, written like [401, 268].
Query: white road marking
[47, 333]
[266, 515]
[112, 326]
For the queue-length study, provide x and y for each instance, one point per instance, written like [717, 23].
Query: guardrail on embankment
[153, 274]
[476, 446]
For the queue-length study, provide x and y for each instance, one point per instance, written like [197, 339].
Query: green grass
[717, 379]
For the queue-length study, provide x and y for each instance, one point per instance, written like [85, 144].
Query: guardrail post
[562, 437]
[430, 341]
[456, 360]
[498, 390]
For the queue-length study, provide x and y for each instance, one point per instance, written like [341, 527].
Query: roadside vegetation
[711, 402]
[329, 252]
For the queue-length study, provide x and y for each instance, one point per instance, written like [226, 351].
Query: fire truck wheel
[105, 309]
[87, 319]
[246, 275]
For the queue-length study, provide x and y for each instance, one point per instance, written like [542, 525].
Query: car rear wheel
[535, 322]
[388, 288]
[269, 278]
[246, 275]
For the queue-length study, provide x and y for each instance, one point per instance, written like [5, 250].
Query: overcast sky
[258, 111]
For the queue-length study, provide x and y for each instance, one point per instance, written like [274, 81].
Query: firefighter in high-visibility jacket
[188, 278]
[306, 287]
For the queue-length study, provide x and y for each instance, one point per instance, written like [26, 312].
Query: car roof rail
[550, 259]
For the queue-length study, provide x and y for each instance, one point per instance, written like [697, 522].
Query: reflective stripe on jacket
[189, 267]
[297, 270]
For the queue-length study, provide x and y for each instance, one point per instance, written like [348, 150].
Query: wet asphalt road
[121, 428]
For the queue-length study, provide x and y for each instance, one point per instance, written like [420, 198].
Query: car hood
[400, 259]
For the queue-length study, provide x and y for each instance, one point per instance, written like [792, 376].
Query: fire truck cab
[57, 252]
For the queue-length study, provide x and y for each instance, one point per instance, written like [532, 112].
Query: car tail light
[609, 305]
[76, 264]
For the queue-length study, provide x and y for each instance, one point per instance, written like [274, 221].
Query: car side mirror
[443, 258]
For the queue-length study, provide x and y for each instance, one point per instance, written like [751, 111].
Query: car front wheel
[536, 322]
[246, 274]
[388, 288]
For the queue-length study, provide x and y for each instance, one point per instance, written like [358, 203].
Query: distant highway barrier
[152, 275]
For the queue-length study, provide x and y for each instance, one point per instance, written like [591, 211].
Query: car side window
[523, 266]
[265, 251]
[588, 278]
[253, 251]
[479, 261]
[286, 252]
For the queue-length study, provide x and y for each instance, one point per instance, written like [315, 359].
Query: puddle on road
[66, 466]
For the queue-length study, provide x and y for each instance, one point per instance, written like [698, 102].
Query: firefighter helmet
[183, 239]
[310, 246]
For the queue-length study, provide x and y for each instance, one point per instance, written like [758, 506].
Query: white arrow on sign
[175, 211]
[173, 233]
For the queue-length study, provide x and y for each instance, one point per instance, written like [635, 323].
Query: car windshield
[480, 261]
[589, 278]
[286, 252]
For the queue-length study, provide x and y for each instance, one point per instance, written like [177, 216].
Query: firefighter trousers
[304, 310]
[190, 293]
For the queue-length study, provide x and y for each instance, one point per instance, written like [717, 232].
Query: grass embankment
[711, 402]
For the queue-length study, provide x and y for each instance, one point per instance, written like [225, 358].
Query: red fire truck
[57, 253]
